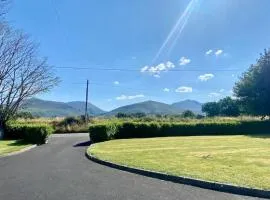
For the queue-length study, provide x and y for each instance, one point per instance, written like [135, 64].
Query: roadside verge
[184, 180]
[18, 152]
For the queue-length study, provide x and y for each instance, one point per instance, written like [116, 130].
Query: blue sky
[164, 50]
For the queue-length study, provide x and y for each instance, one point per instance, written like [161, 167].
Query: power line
[138, 70]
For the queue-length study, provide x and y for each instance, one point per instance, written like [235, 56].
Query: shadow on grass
[263, 136]
[82, 144]
[18, 143]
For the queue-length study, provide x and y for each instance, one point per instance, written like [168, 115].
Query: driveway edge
[18, 152]
[184, 180]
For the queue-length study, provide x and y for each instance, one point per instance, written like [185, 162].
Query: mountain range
[44, 108]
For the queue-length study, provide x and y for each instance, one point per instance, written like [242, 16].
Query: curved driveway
[60, 170]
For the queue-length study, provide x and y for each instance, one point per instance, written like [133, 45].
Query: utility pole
[86, 102]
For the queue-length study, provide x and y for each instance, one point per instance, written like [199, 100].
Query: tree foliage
[22, 73]
[253, 88]
[211, 109]
[188, 114]
[229, 107]
[224, 107]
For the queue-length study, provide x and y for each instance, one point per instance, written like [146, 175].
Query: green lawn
[9, 146]
[239, 160]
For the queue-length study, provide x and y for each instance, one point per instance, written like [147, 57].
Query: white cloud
[109, 100]
[184, 89]
[166, 90]
[214, 94]
[116, 83]
[233, 75]
[156, 70]
[184, 61]
[144, 69]
[210, 51]
[125, 97]
[206, 77]
[222, 90]
[218, 52]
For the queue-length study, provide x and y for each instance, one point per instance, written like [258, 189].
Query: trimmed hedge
[32, 133]
[124, 130]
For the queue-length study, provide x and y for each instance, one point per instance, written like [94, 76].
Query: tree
[229, 107]
[211, 109]
[4, 7]
[24, 115]
[22, 73]
[253, 88]
[188, 114]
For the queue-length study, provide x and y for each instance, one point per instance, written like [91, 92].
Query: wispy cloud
[222, 90]
[219, 52]
[133, 57]
[184, 89]
[210, 51]
[206, 77]
[214, 94]
[125, 97]
[166, 90]
[116, 83]
[184, 61]
[156, 70]
[109, 100]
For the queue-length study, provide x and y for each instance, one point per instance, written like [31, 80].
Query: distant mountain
[80, 106]
[154, 107]
[44, 108]
[147, 107]
[192, 105]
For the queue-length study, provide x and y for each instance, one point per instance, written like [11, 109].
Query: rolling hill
[154, 107]
[147, 107]
[192, 105]
[44, 108]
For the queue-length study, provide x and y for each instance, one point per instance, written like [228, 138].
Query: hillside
[154, 107]
[45, 108]
[148, 107]
[192, 105]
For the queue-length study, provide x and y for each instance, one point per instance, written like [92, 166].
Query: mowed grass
[238, 160]
[9, 146]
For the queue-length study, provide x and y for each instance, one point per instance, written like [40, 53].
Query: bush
[98, 133]
[188, 114]
[32, 133]
[124, 130]
[68, 121]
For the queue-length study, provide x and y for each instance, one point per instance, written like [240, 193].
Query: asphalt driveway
[60, 170]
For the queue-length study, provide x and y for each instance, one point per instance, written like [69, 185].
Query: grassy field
[9, 146]
[239, 160]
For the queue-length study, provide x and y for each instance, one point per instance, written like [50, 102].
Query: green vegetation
[240, 160]
[9, 146]
[32, 133]
[131, 129]
[44, 108]
[224, 107]
[253, 88]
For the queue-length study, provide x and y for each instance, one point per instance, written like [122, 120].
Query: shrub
[188, 114]
[103, 132]
[98, 133]
[70, 121]
[33, 133]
